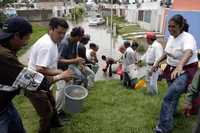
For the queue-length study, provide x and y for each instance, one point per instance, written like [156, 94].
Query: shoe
[63, 117]
[158, 130]
[56, 122]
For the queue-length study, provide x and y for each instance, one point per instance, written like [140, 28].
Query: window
[140, 15]
[147, 16]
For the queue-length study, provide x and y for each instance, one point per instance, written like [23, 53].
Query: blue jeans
[170, 102]
[10, 121]
[79, 77]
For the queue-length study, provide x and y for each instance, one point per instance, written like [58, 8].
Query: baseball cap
[14, 25]
[150, 35]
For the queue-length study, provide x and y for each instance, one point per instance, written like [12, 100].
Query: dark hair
[85, 39]
[92, 45]
[77, 31]
[103, 57]
[55, 22]
[134, 44]
[127, 44]
[181, 21]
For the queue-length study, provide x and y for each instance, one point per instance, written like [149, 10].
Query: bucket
[74, 95]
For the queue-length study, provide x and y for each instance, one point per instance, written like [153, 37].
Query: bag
[119, 70]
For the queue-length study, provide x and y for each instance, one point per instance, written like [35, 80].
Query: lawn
[111, 108]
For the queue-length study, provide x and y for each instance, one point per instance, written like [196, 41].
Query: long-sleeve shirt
[14, 77]
[194, 88]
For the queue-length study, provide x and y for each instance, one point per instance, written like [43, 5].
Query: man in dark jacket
[14, 76]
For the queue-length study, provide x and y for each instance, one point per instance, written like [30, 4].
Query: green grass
[38, 31]
[110, 108]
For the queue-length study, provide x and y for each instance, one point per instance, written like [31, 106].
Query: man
[153, 53]
[130, 57]
[91, 54]
[44, 59]
[192, 94]
[14, 77]
[89, 74]
[68, 51]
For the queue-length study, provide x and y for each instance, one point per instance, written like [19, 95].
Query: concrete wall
[35, 15]
[193, 19]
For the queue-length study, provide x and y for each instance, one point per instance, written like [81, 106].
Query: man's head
[103, 57]
[57, 29]
[127, 44]
[134, 45]
[85, 39]
[122, 49]
[76, 34]
[15, 33]
[94, 46]
[150, 37]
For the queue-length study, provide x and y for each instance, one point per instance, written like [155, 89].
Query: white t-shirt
[88, 54]
[130, 57]
[175, 48]
[44, 53]
[153, 53]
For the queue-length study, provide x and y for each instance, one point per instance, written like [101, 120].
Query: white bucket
[74, 95]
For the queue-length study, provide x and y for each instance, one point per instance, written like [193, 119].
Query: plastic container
[140, 84]
[74, 96]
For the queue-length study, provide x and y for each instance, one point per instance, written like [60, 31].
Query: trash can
[74, 95]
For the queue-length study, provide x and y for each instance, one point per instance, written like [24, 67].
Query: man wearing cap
[153, 53]
[44, 59]
[14, 76]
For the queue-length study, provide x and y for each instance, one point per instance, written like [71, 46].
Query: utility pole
[111, 28]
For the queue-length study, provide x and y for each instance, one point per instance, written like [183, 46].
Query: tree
[4, 2]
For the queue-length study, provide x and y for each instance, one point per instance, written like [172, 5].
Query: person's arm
[48, 71]
[193, 92]
[77, 60]
[179, 68]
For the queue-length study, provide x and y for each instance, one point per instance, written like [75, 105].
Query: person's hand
[186, 109]
[177, 72]
[155, 67]
[67, 75]
[80, 60]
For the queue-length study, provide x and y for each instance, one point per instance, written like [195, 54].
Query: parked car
[96, 21]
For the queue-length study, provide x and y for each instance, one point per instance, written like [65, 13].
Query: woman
[181, 55]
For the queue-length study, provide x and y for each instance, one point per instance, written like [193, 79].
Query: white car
[96, 21]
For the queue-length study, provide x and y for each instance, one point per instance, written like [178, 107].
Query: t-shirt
[67, 50]
[130, 57]
[153, 53]
[44, 53]
[175, 48]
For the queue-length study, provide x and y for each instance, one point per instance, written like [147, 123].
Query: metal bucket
[74, 95]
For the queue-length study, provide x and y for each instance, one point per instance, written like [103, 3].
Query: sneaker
[158, 130]
[63, 117]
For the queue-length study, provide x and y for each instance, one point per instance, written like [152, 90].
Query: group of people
[181, 62]
[55, 57]
[58, 57]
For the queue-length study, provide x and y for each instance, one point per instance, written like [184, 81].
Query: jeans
[10, 121]
[79, 77]
[170, 102]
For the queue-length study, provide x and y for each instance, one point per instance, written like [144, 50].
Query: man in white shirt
[129, 58]
[43, 58]
[153, 53]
